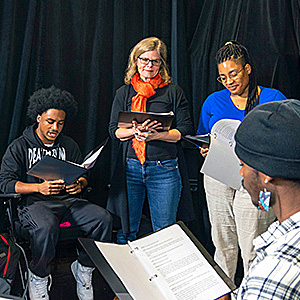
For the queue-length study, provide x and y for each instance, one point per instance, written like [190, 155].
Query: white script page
[177, 266]
[130, 271]
[90, 162]
[221, 162]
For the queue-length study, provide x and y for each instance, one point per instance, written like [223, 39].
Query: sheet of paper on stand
[221, 162]
[167, 264]
[91, 160]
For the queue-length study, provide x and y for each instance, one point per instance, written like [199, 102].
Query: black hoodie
[26, 151]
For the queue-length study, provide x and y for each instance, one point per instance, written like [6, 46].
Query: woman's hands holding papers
[204, 150]
[139, 131]
[146, 131]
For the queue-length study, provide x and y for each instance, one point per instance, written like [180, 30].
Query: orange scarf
[144, 91]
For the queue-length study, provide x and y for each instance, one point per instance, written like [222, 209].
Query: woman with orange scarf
[148, 161]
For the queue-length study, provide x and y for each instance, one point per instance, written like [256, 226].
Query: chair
[8, 201]
[15, 228]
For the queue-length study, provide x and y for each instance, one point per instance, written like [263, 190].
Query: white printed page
[178, 267]
[90, 162]
[221, 162]
[226, 128]
[130, 271]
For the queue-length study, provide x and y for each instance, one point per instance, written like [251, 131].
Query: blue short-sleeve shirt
[219, 106]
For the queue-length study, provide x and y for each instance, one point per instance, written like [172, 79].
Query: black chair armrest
[10, 196]
[9, 202]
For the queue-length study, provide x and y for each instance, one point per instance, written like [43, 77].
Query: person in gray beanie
[268, 145]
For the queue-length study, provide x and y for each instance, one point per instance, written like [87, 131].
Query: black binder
[50, 168]
[126, 118]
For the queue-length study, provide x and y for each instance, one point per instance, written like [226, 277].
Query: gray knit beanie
[268, 139]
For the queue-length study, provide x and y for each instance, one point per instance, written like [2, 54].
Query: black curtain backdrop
[83, 46]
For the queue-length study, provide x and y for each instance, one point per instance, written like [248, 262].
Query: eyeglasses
[145, 61]
[232, 75]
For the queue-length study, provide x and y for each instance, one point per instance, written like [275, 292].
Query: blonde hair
[148, 44]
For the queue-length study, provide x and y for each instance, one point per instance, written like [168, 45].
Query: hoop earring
[264, 200]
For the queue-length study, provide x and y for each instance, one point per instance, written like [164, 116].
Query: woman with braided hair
[234, 220]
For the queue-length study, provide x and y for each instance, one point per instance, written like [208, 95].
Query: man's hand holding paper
[52, 187]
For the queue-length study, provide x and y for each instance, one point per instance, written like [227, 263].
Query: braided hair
[233, 50]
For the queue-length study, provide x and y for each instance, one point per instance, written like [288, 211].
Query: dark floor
[64, 286]
[63, 283]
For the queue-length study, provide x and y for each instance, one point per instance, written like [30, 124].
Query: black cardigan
[117, 198]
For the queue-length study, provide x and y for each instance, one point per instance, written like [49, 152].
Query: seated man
[47, 204]
[268, 145]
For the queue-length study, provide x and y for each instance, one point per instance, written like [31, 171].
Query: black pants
[42, 219]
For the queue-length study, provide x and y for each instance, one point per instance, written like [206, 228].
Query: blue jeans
[162, 182]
